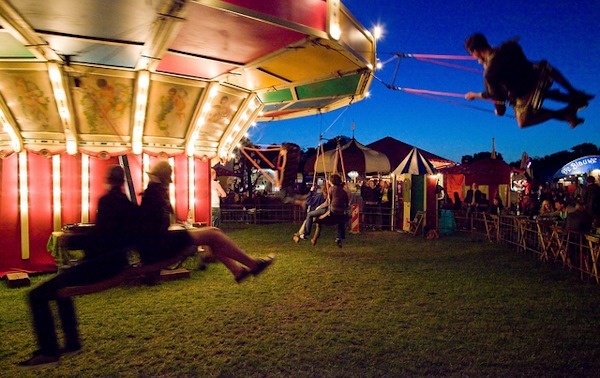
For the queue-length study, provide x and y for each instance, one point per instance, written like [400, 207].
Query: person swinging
[510, 77]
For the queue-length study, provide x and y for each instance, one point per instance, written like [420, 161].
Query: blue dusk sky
[566, 33]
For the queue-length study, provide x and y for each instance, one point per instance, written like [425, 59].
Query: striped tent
[416, 164]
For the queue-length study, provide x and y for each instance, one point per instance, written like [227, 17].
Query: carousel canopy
[415, 164]
[167, 76]
[581, 166]
[353, 156]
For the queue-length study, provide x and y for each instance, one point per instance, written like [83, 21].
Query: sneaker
[262, 263]
[338, 242]
[243, 275]
[39, 359]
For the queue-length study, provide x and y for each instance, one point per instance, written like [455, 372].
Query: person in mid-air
[510, 77]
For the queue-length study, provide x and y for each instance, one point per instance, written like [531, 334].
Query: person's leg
[225, 250]
[43, 321]
[310, 217]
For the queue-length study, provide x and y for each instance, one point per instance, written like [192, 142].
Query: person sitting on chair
[509, 76]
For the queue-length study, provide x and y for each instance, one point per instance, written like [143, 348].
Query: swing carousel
[87, 84]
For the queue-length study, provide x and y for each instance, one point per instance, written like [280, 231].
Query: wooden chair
[416, 223]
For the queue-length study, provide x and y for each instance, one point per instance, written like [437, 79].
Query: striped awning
[416, 164]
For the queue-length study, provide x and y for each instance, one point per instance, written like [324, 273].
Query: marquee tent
[354, 156]
[397, 150]
[415, 164]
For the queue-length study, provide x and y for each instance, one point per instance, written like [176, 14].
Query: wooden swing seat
[132, 274]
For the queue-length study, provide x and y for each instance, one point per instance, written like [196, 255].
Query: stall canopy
[581, 166]
[415, 164]
[354, 156]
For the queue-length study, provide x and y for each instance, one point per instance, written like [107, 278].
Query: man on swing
[509, 76]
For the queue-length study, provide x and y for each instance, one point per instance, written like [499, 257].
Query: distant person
[591, 199]
[510, 77]
[316, 205]
[113, 236]
[339, 199]
[216, 194]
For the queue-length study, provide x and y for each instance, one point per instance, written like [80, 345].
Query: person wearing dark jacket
[510, 77]
[113, 236]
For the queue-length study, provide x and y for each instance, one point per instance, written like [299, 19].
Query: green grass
[386, 304]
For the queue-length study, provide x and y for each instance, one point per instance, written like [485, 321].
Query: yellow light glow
[85, 188]
[56, 192]
[141, 102]
[172, 186]
[15, 141]
[24, 205]
[191, 188]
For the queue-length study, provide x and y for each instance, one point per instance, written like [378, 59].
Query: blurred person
[113, 236]
[158, 243]
[339, 200]
[216, 193]
[510, 77]
[316, 205]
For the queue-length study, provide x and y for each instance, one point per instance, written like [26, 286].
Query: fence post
[354, 219]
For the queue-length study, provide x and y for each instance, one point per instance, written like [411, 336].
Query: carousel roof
[164, 76]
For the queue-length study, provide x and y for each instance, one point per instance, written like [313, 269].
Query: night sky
[566, 33]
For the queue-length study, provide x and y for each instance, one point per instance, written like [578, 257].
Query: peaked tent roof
[397, 150]
[416, 164]
[356, 157]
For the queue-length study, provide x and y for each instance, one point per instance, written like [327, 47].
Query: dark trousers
[87, 272]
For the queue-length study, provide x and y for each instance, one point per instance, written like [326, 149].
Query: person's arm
[220, 190]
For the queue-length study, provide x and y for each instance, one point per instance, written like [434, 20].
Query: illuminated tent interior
[84, 82]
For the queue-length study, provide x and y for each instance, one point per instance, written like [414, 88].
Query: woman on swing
[339, 199]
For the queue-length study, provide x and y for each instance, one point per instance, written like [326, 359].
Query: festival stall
[180, 80]
[416, 177]
[493, 176]
[576, 170]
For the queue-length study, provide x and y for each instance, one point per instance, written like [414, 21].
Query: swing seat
[132, 274]
[543, 84]
[330, 219]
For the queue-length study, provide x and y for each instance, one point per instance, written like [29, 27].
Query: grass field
[385, 305]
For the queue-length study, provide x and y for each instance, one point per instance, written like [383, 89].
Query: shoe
[570, 115]
[70, 351]
[298, 237]
[338, 242]
[243, 275]
[39, 359]
[262, 263]
[580, 100]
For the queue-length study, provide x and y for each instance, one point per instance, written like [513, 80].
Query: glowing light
[24, 204]
[143, 83]
[85, 188]
[191, 189]
[378, 32]
[56, 198]
[15, 141]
